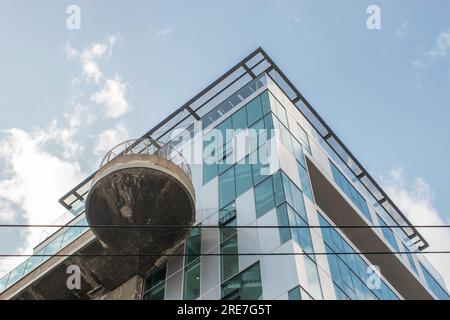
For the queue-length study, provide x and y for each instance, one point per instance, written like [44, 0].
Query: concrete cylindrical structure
[134, 190]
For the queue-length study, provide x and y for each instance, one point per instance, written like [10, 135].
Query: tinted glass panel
[192, 282]
[227, 191]
[264, 197]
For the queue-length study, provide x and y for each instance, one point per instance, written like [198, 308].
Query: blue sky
[384, 92]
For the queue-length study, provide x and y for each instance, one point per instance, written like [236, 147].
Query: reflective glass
[230, 259]
[239, 119]
[313, 278]
[191, 289]
[306, 185]
[285, 233]
[193, 246]
[243, 174]
[254, 111]
[227, 192]
[264, 197]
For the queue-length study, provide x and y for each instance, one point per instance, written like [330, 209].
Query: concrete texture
[141, 190]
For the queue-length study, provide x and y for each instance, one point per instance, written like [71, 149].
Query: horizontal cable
[225, 254]
[144, 226]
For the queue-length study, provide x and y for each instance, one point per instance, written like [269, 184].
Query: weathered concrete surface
[365, 239]
[141, 190]
[129, 290]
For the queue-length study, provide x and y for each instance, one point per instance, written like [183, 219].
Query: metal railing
[150, 147]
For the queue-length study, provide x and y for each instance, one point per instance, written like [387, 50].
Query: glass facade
[350, 272]
[229, 260]
[154, 284]
[192, 250]
[350, 191]
[245, 286]
[53, 246]
[298, 293]
[434, 285]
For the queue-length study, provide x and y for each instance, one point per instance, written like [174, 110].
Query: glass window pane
[298, 203]
[285, 233]
[260, 164]
[71, 234]
[251, 283]
[192, 282]
[17, 273]
[294, 294]
[193, 246]
[258, 128]
[3, 282]
[254, 111]
[243, 174]
[278, 188]
[225, 157]
[239, 119]
[264, 197]
[34, 261]
[268, 125]
[265, 102]
[313, 278]
[155, 278]
[286, 139]
[350, 191]
[227, 217]
[306, 186]
[388, 234]
[410, 259]
[156, 293]
[303, 234]
[304, 138]
[209, 169]
[232, 286]
[227, 192]
[54, 246]
[281, 113]
[229, 258]
[223, 128]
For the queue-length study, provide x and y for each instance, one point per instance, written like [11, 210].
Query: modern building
[311, 223]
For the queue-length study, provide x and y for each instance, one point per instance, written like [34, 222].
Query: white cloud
[112, 97]
[165, 31]
[402, 29]
[418, 64]
[71, 52]
[441, 46]
[110, 138]
[90, 55]
[6, 212]
[34, 181]
[293, 17]
[416, 202]
[38, 166]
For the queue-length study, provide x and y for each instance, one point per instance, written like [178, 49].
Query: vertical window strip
[305, 182]
[350, 191]
[349, 274]
[388, 234]
[254, 111]
[244, 286]
[154, 284]
[191, 280]
[229, 262]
